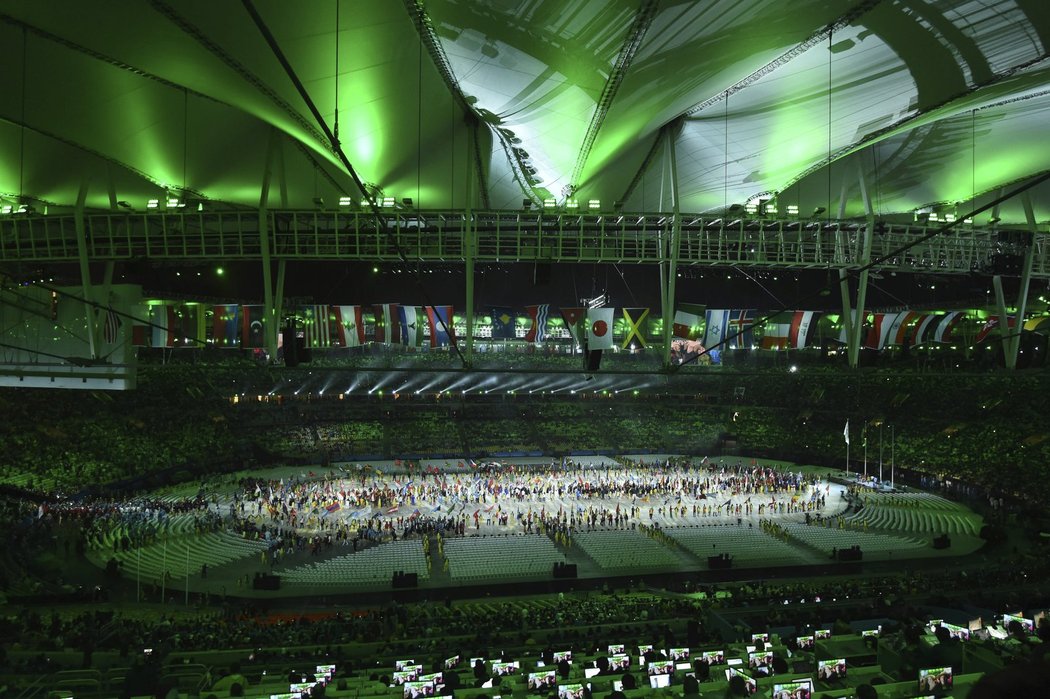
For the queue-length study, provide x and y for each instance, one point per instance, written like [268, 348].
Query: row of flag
[323, 326]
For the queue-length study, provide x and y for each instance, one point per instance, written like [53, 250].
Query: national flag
[845, 432]
[715, 324]
[225, 319]
[879, 330]
[317, 325]
[411, 319]
[687, 321]
[573, 318]
[776, 331]
[502, 323]
[442, 332]
[253, 326]
[111, 327]
[741, 328]
[990, 326]
[348, 326]
[393, 509]
[334, 507]
[538, 315]
[600, 328]
[898, 332]
[637, 320]
[387, 329]
[1037, 323]
[842, 331]
[925, 322]
[946, 326]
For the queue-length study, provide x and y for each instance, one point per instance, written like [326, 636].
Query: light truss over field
[501, 236]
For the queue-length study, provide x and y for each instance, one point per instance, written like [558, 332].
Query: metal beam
[673, 244]
[642, 20]
[270, 326]
[333, 142]
[83, 255]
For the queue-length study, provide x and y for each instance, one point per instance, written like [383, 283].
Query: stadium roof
[937, 103]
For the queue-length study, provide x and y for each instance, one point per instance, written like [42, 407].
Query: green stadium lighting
[220, 271]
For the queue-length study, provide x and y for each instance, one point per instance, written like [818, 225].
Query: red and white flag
[600, 328]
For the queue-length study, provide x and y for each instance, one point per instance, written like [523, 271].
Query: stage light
[153, 204]
[345, 201]
[572, 204]
[550, 203]
[220, 271]
[792, 209]
[594, 204]
[388, 202]
[406, 202]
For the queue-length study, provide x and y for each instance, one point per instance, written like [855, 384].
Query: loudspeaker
[267, 582]
[720, 562]
[291, 349]
[402, 581]
[853, 553]
[592, 359]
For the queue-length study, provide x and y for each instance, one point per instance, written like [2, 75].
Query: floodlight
[550, 203]
[572, 204]
[594, 204]
[388, 202]
[346, 201]
[153, 204]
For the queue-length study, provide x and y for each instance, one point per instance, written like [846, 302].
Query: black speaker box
[592, 360]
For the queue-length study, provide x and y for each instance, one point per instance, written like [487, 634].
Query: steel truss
[507, 236]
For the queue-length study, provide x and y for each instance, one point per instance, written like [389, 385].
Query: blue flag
[502, 323]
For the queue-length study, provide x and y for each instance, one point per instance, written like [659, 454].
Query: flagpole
[847, 449]
[865, 452]
[880, 455]
[893, 445]
[164, 574]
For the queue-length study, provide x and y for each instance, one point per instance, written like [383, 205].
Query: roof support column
[854, 324]
[83, 257]
[1011, 337]
[269, 315]
[673, 248]
[468, 250]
